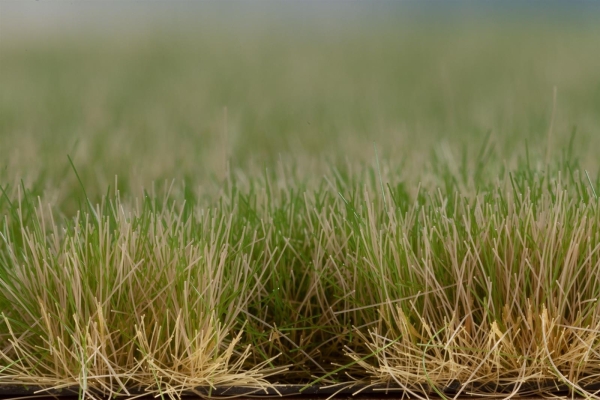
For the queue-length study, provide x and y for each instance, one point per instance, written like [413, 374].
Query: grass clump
[114, 299]
[495, 292]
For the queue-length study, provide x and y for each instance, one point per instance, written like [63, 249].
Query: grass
[311, 208]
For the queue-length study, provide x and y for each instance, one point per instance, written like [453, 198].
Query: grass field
[302, 194]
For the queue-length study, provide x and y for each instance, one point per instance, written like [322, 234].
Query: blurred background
[195, 91]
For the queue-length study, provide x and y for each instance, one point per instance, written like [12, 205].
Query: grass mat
[368, 199]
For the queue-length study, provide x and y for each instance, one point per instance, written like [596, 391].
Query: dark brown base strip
[345, 389]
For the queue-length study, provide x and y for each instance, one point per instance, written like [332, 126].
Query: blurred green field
[184, 101]
[389, 194]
